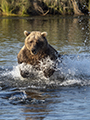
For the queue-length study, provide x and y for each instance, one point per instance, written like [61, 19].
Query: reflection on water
[46, 98]
[67, 35]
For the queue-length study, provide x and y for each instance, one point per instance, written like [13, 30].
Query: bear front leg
[23, 73]
[48, 72]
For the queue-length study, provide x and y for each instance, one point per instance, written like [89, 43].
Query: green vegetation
[43, 7]
[12, 7]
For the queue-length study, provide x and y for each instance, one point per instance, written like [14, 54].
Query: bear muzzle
[33, 52]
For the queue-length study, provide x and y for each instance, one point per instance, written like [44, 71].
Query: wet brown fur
[27, 56]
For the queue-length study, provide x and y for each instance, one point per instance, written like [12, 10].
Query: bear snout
[34, 52]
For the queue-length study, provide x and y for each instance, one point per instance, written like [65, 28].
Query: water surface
[46, 98]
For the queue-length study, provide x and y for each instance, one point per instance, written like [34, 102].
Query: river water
[63, 96]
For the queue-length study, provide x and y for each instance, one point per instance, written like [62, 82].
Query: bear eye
[31, 41]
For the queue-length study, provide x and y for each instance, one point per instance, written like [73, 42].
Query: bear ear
[26, 33]
[44, 34]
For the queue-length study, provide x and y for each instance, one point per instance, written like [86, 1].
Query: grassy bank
[14, 7]
[43, 7]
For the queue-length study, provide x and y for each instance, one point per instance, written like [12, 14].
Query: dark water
[64, 96]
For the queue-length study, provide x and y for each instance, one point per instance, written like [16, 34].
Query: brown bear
[35, 49]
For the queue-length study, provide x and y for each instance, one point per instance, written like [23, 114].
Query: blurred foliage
[14, 6]
[28, 7]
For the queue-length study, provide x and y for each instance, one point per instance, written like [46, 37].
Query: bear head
[35, 41]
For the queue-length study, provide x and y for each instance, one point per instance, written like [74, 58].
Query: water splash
[69, 70]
